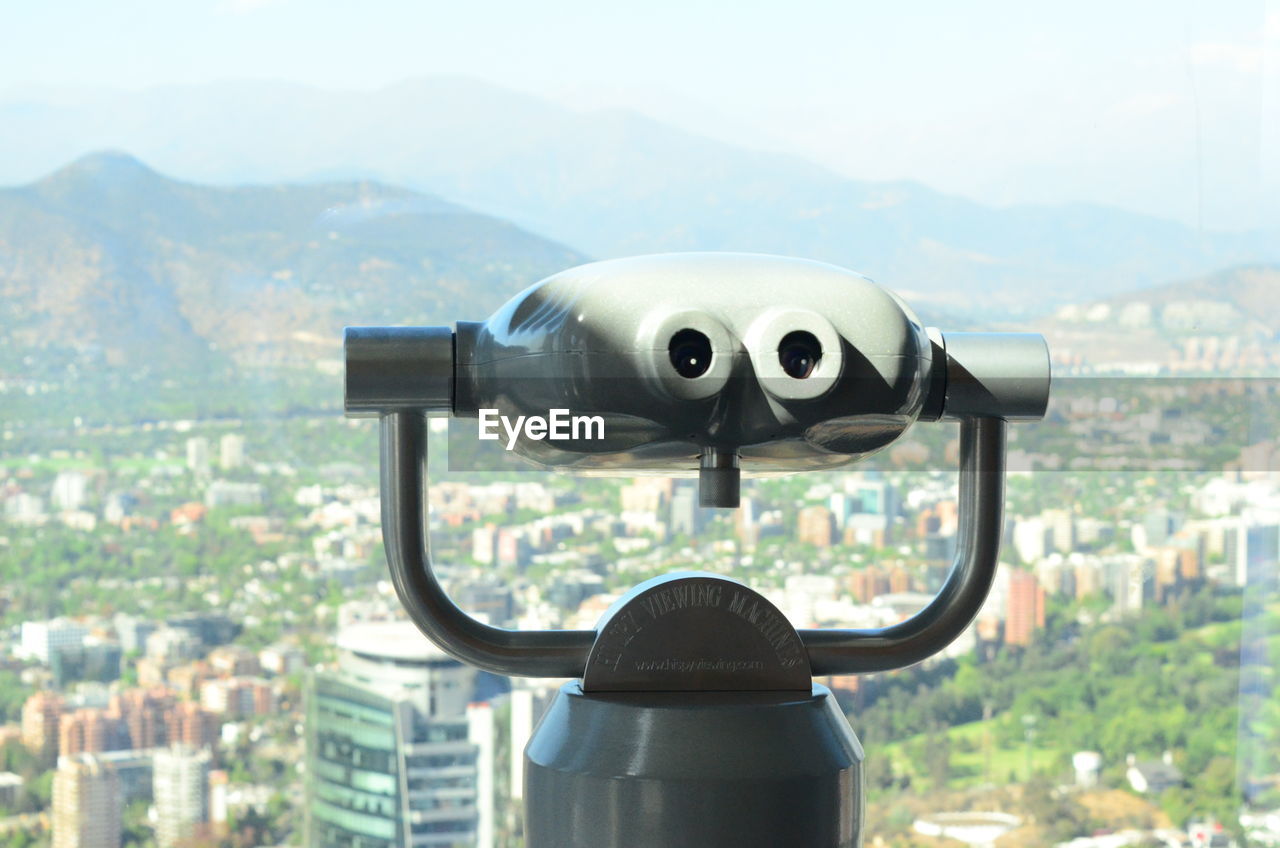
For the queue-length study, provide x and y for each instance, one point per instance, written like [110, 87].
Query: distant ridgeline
[127, 295]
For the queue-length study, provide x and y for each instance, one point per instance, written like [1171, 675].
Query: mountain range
[110, 258]
[1154, 328]
[611, 183]
[126, 293]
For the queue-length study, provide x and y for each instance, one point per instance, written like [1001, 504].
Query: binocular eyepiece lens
[798, 353]
[690, 353]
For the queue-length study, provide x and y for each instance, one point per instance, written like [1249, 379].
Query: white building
[231, 493]
[802, 593]
[1088, 766]
[25, 508]
[172, 644]
[181, 792]
[198, 455]
[70, 490]
[231, 451]
[522, 719]
[1031, 539]
[480, 732]
[1131, 582]
[484, 544]
[41, 638]
[282, 659]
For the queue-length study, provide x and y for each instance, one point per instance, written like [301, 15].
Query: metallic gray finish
[981, 522]
[563, 653]
[695, 632]
[1001, 375]
[391, 369]
[690, 770]
[935, 399]
[596, 340]
[593, 337]
[719, 479]
[529, 653]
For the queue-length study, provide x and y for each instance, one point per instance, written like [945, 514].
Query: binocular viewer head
[719, 364]
[685, 363]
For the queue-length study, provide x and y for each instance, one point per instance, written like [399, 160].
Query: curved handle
[405, 535]
[981, 521]
[563, 653]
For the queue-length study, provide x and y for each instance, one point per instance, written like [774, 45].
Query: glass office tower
[390, 761]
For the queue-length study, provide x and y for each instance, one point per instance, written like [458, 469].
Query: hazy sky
[1169, 107]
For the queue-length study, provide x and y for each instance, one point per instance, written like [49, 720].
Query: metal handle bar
[563, 653]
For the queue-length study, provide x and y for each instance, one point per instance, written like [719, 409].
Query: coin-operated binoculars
[692, 718]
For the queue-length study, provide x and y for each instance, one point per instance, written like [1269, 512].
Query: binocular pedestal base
[693, 769]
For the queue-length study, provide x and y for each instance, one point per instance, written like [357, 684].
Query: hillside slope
[108, 268]
[613, 183]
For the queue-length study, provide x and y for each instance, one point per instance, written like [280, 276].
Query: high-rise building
[198, 455]
[133, 768]
[685, 516]
[1025, 612]
[867, 528]
[235, 660]
[1032, 539]
[25, 508]
[70, 489]
[481, 733]
[513, 550]
[871, 496]
[41, 717]
[91, 731]
[231, 451]
[815, 527]
[646, 494]
[491, 600]
[219, 803]
[41, 638]
[522, 720]
[189, 724]
[866, 583]
[181, 792]
[390, 760]
[143, 713]
[1155, 529]
[1062, 529]
[93, 659]
[484, 544]
[746, 522]
[133, 631]
[1252, 553]
[211, 628]
[1088, 578]
[1131, 579]
[236, 697]
[172, 644]
[87, 804]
